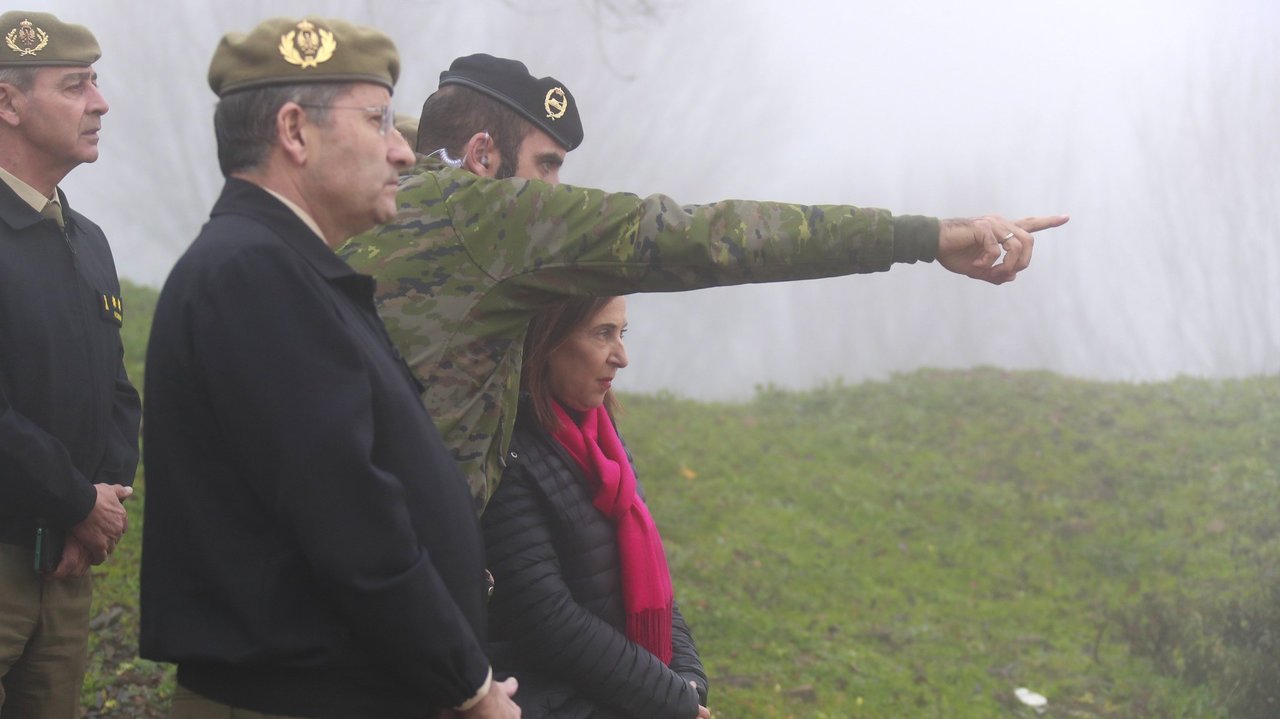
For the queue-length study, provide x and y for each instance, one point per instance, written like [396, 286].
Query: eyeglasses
[385, 116]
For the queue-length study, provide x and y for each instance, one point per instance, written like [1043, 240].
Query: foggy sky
[1153, 124]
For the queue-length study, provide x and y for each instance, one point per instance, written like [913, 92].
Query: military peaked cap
[35, 39]
[544, 101]
[287, 51]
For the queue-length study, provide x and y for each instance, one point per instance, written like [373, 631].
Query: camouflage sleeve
[568, 240]
[468, 261]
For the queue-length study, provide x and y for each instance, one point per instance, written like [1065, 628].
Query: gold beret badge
[308, 46]
[555, 103]
[26, 39]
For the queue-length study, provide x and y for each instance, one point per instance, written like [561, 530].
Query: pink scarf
[646, 580]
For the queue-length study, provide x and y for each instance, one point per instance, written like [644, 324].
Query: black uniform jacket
[557, 617]
[68, 415]
[310, 546]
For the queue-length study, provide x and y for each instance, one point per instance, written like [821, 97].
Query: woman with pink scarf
[582, 612]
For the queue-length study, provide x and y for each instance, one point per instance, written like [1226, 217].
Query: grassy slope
[921, 547]
[118, 684]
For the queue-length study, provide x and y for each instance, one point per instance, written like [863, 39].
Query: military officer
[68, 413]
[469, 260]
[493, 118]
[309, 547]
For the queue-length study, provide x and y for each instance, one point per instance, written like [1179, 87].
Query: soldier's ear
[480, 156]
[10, 103]
[291, 120]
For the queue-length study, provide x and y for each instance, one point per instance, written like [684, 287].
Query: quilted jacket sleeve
[684, 655]
[533, 605]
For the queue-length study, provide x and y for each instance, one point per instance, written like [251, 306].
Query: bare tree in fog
[613, 17]
[617, 16]
[1217, 199]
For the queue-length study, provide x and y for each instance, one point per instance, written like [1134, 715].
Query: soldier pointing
[469, 260]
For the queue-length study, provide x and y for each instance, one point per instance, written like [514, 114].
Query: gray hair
[23, 78]
[245, 122]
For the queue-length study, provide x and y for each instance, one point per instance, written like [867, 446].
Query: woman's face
[583, 366]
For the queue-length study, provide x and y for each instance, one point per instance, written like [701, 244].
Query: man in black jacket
[68, 414]
[310, 548]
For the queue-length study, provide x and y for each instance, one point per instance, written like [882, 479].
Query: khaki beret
[287, 51]
[35, 39]
[408, 126]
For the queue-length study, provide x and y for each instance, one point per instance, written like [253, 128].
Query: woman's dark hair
[547, 331]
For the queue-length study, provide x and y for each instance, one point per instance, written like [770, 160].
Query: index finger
[1035, 224]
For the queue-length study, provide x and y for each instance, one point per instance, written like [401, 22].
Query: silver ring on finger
[1006, 238]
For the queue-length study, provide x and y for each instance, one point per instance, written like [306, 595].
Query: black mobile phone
[49, 544]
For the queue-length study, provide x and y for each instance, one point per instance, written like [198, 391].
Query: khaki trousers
[44, 634]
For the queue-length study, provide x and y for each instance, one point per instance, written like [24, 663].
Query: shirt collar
[301, 213]
[29, 194]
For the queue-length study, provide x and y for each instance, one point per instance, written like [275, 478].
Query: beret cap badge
[308, 45]
[556, 104]
[26, 39]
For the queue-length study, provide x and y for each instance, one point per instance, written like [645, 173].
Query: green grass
[921, 547]
[118, 683]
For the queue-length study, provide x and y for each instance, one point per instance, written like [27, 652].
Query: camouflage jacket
[468, 261]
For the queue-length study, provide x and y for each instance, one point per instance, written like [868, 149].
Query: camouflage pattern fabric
[468, 261]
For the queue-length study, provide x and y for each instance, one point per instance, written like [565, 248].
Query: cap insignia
[308, 46]
[555, 103]
[26, 39]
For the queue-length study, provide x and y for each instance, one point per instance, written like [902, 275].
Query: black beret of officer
[544, 101]
[287, 51]
[36, 39]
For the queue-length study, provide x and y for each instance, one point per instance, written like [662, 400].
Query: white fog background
[1156, 125]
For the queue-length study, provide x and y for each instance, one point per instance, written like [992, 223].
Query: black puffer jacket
[556, 617]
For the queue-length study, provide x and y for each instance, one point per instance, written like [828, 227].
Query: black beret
[36, 39]
[544, 101]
